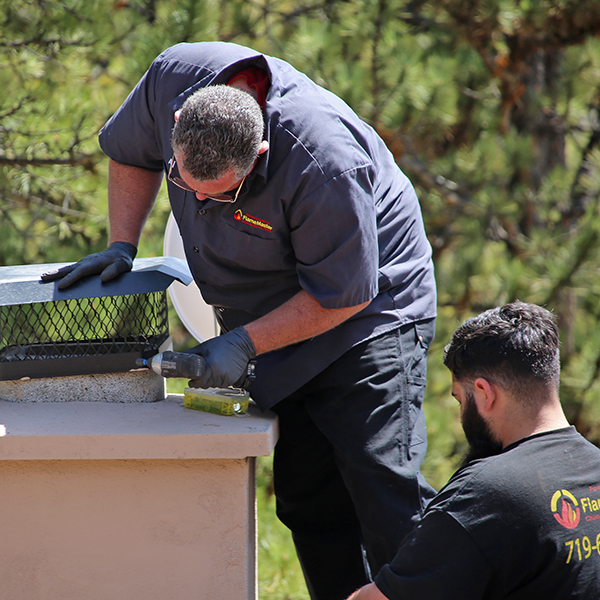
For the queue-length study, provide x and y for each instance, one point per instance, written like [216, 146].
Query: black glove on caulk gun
[175, 364]
[220, 362]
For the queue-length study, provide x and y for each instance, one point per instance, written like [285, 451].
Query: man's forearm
[300, 318]
[131, 195]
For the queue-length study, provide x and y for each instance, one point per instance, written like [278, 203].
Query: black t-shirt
[522, 525]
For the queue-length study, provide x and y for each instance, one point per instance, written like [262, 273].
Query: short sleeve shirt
[326, 210]
[521, 525]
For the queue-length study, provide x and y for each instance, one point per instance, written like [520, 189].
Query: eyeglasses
[173, 177]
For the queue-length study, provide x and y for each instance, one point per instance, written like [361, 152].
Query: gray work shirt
[326, 209]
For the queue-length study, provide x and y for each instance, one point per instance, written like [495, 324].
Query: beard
[482, 442]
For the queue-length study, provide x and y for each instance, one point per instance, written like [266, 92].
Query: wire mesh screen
[86, 328]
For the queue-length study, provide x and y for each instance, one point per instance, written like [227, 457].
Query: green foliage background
[491, 107]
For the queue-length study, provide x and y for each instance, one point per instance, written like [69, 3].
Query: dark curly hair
[515, 346]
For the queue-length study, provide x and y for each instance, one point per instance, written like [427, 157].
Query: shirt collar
[222, 77]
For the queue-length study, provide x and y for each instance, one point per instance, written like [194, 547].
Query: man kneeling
[521, 518]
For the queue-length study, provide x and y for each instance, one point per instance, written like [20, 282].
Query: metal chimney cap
[21, 284]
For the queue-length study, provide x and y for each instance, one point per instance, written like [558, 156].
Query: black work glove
[116, 259]
[227, 357]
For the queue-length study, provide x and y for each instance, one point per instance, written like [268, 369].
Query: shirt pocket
[236, 249]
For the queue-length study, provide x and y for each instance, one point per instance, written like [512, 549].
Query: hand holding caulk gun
[219, 362]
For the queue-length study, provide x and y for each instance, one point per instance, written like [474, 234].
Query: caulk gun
[175, 364]
[184, 365]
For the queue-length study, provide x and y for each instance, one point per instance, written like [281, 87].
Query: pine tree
[492, 108]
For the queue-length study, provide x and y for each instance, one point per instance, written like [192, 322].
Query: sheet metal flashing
[21, 284]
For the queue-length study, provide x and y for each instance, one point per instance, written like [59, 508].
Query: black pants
[346, 466]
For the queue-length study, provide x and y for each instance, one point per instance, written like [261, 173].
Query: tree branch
[85, 160]
[41, 41]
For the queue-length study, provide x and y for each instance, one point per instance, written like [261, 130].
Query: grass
[279, 573]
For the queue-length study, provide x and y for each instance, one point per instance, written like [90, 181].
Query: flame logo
[238, 215]
[565, 509]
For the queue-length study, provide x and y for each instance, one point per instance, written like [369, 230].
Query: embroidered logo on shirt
[254, 221]
[565, 509]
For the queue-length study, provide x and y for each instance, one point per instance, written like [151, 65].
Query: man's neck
[547, 419]
[241, 84]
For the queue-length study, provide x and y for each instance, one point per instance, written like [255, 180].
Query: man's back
[523, 524]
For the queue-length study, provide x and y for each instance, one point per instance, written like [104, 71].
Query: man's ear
[264, 146]
[177, 113]
[485, 394]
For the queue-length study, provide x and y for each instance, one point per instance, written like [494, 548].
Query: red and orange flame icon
[565, 509]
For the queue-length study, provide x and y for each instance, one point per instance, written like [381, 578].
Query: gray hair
[220, 128]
